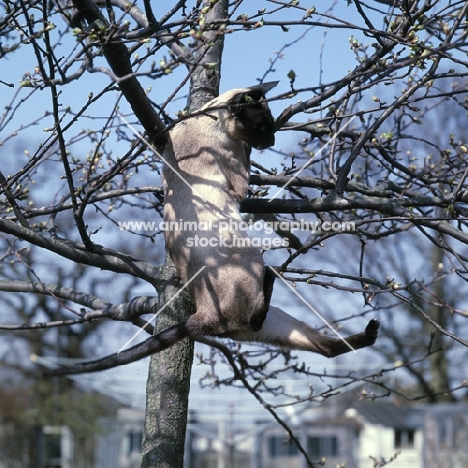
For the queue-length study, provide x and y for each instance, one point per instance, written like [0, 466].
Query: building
[365, 434]
[446, 436]
[342, 431]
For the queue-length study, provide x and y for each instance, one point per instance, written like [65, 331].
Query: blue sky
[321, 56]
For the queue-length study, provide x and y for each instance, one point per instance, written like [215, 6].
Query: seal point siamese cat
[206, 178]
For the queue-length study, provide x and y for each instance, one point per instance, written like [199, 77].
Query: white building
[364, 434]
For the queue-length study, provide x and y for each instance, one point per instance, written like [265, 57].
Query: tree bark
[168, 385]
[439, 363]
[205, 77]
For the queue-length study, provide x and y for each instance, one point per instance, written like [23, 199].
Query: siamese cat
[206, 179]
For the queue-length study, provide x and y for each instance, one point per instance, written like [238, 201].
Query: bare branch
[106, 259]
[100, 309]
[238, 374]
[118, 57]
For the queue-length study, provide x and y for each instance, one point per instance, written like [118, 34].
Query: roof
[390, 415]
[347, 407]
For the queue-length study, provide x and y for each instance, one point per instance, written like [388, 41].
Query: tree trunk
[168, 385]
[440, 381]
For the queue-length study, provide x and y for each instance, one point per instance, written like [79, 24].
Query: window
[57, 446]
[319, 447]
[281, 447]
[448, 431]
[53, 450]
[134, 441]
[404, 438]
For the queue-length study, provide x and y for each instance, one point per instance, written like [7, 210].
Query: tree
[361, 169]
